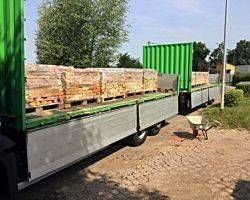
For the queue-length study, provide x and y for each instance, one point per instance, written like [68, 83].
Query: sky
[167, 21]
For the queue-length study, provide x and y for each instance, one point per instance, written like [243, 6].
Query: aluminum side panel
[54, 147]
[214, 93]
[196, 98]
[205, 97]
[153, 112]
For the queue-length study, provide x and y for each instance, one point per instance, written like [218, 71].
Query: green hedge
[241, 77]
[233, 97]
[245, 86]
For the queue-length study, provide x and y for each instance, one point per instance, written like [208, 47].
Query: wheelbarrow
[200, 123]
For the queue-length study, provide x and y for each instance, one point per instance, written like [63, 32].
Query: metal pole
[224, 59]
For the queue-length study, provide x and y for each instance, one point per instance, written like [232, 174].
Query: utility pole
[224, 58]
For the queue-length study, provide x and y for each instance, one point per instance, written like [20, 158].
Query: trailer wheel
[211, 102]
[154, 130]
[138, 138]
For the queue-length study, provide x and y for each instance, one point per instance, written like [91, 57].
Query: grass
[231, 117]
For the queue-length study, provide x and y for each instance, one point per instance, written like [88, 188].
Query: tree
[200, 54]
[126, 61]
[216, 56]
[82, 33]
[241, 54]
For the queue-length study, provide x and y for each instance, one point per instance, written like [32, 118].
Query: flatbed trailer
[57, 139]
[56, 146]
[199, 96]
[34, 146]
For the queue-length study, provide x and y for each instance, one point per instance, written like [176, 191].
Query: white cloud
[188, 6]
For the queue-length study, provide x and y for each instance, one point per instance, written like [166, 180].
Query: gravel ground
[167, 166]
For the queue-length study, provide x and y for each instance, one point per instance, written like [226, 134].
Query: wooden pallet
[81, 103]
[39, 109]
[165, 90]
[199, 85]
[132, 94]
[150, 91]
[110, 99]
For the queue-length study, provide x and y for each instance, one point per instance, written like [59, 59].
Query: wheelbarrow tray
[197, 123]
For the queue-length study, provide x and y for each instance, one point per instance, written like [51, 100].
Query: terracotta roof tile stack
[43, 85]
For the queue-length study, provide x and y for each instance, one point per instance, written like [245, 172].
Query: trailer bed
[204, 94]
[38, 120]
[53, 147]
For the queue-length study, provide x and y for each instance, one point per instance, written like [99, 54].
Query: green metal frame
[12, 81]
[205, 87]
[34, 122]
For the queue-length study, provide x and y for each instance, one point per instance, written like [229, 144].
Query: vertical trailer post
[12, 98]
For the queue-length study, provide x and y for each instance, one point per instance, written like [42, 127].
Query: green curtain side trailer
[178, 59]
[33, 147]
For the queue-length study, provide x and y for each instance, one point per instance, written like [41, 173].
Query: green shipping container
[12, 100]
[171, 59]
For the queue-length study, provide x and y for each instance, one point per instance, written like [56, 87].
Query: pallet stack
[150, 79]
[112, 83]
[200, 78]
[43, 86]
[65, 87]
[133, 80]
[80, 86]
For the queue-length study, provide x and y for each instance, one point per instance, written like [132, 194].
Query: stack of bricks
[43, 86]
[150, 79]
[133, 80]
[112, 82]
[67, 86]
[80, 85]
[200, 78]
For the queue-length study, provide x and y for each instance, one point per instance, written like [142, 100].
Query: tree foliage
[201, 52]
[216, 56]
[241, 54]
[82, 33]
[126, 61]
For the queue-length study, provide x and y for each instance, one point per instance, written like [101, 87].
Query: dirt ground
[167, 166]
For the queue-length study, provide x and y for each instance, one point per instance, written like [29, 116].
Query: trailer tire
[154, 130]
[138, 138]
[211, 102]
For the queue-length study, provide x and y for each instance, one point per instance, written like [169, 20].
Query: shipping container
[171, 59]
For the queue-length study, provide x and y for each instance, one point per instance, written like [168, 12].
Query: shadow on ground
[184, 135]
[241, 190]
[77, 183]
